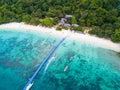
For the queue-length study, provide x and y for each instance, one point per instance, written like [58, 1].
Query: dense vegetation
[103, 16]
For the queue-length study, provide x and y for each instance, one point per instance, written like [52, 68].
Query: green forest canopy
[103, 16]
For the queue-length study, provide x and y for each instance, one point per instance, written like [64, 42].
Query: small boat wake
[49, 62]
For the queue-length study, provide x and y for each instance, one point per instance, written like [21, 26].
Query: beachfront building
[67, 25]
[75, 25]
[68, 16]
[63, 22]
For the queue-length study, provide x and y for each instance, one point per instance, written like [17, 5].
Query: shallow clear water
[89, 67]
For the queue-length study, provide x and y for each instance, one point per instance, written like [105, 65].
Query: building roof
[67, 25]
[75, 25]
[68, 16]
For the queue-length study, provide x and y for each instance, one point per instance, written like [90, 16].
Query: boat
[71, 58]
[65, 69]
[54, 55]
[29, 86]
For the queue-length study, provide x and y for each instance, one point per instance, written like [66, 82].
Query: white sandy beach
[100, 42]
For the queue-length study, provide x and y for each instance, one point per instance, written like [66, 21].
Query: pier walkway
[41, 65]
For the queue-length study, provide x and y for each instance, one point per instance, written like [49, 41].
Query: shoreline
[100, 42]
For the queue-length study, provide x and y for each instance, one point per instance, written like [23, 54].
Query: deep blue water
[89, 67]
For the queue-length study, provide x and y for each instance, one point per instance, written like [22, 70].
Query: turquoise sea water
[89, 67]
